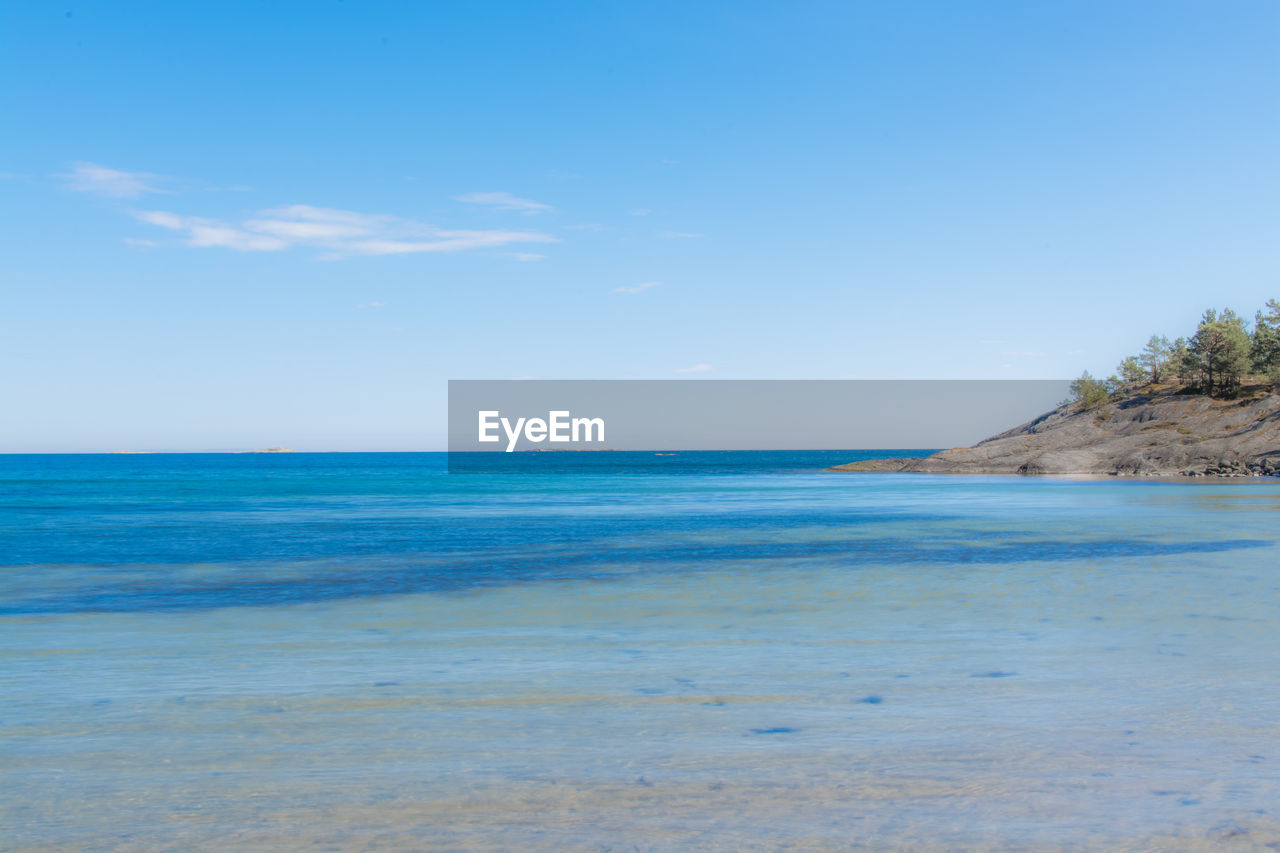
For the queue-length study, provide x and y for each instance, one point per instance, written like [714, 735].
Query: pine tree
[1221, 346]
[1156, 356]
[1182, 360]
[1131, 371]
[1089, 393]
[1265, 346]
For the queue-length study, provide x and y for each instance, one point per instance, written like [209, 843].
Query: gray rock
[1155, 431]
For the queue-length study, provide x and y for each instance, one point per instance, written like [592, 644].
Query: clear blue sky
[231, 224]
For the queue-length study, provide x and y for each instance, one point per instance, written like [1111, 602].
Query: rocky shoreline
[1153, 431]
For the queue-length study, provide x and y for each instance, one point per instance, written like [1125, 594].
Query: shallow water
[361, 651]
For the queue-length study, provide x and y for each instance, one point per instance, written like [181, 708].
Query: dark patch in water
[280, 579]
[996, 673]
[871, 700]
[777, 730]
[386, 683]
[122, 534]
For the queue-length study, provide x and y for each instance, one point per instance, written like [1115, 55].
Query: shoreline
[1153, 431]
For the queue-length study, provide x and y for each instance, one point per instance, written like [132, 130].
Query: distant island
[269, 450]
[1208, 405]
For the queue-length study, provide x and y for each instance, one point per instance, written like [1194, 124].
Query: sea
[631, 651]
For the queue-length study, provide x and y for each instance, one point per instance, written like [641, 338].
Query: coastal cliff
[1152, 431]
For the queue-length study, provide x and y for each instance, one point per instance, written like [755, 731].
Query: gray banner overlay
[604, 414]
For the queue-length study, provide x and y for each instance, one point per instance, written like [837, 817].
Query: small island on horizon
[1208, 405]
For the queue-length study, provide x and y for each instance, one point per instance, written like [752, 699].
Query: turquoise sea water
[701, 651]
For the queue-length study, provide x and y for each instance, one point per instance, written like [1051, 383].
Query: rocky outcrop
[1154, 431]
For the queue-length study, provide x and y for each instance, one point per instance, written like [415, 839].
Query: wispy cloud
[339, 233]
[644, 285]
[678, 235]
[641, 211]
[372, 305]
[112, 183]
[528, 257]
[701, 367]
[504, 201]
[139, 243]
[208, 233]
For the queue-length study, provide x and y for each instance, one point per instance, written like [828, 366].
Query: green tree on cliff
[1156, 357]
[1089, 393]
[1216, 360]
[1182, 362]
[1131, 371]
[1221, 347]
[1265, 346]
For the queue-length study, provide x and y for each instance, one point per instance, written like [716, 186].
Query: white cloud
[112, 183]
[678, 235]
[303, 223]
[701, 367]
[504, 201]
[644, 285]
[372, 305]
[641, 211]
[340, 233]
[139, 243]
[208, 233]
